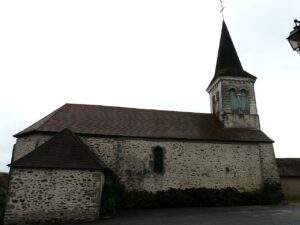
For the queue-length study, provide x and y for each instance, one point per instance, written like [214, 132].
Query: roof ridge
[134, 108]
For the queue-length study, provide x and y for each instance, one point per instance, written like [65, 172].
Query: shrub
[174, 198]
[2, 204]
[194, 197]
[112, 195]
[272, 193]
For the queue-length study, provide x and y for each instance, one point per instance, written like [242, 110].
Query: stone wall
[40, 195]
[187, 163]
[241, 120]
[268, 163]
[291, 188]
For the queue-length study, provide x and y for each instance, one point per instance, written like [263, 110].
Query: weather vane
[222, 8]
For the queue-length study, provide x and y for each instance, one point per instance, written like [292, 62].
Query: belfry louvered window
[158, 159]
[239, 101]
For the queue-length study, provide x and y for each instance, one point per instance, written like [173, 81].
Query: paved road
[255, 215]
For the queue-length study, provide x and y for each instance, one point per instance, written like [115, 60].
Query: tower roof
[228, 62]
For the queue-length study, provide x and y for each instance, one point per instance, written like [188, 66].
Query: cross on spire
[222, 8]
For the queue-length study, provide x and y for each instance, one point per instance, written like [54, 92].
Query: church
[58, 163]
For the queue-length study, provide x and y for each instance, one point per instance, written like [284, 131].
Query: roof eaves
[159, 138]
[57, 167]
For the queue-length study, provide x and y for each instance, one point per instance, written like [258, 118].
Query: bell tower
[231, 91]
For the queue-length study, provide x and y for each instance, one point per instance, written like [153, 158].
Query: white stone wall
[40, 195]
[187, 164]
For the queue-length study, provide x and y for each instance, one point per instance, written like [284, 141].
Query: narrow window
[233, 99]
[217, 96]
[243, 100]
[158, 155]
[214, 105]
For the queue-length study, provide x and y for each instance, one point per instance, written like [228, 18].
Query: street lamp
[294, 37]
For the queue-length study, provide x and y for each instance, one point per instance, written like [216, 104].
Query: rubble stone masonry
[187, 164]
[47, 195]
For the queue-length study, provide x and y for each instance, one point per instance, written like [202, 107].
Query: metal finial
[222, 8]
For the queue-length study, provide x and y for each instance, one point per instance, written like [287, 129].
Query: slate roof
[99, 120]
[228, 62]
[288, 167]
[64, 151]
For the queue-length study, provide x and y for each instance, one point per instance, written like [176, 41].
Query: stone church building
[57, 164]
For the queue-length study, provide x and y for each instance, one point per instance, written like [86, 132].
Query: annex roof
[63, 151]
[99, 120]
[288, 167]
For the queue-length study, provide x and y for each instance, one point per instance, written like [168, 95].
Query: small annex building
[61, 178]
[289, 172]
[58, 164]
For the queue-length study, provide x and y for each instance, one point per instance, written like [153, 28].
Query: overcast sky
[157, 54]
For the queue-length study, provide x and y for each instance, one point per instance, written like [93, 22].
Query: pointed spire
[227, 55]
[228, 62]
